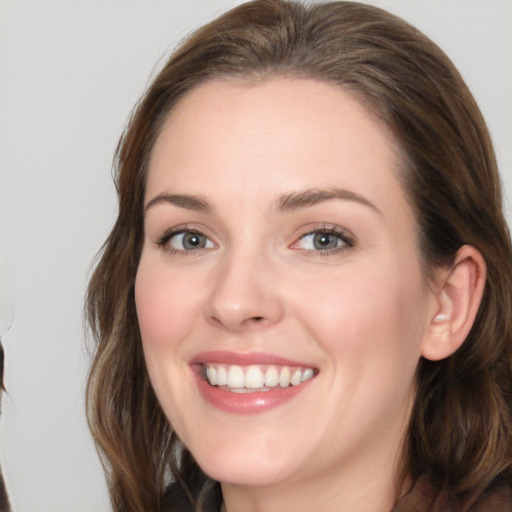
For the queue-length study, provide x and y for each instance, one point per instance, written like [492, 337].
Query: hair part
[460, 432]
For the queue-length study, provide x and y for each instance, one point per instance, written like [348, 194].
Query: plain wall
[70, 73]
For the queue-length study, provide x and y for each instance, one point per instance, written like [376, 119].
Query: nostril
[215, 320]
[237, 324]
[253, 320]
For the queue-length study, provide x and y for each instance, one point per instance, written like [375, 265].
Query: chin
[260, 475]
[240, 466]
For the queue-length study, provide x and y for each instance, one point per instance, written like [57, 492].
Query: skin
[361, 313]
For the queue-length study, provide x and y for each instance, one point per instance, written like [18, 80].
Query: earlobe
[459, 293]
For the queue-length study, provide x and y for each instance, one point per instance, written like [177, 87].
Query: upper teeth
[255, 377]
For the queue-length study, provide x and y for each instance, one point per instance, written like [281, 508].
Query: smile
[255, 378]
[250, 383]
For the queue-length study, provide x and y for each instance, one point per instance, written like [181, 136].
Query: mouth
[249, 383]
[255, 378]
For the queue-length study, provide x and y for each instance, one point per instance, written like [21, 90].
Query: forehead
[281, 133]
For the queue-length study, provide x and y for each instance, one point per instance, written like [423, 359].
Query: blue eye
[324, 240]
[186, 241]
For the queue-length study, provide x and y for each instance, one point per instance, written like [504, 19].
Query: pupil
[324, 241]
[193, 241]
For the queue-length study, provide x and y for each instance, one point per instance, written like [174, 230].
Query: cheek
[366, 315]
[166, 312]
[164, 305]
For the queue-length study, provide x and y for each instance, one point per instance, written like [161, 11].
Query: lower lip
[248, 403]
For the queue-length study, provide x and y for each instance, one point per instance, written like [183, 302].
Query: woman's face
[281, 262]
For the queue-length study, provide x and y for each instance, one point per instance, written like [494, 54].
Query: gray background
[70, 73]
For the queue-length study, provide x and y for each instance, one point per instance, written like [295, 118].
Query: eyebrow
[286, 203]
[189, 202]
[303, 199]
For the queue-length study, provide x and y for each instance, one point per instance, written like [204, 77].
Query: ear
[458, 292]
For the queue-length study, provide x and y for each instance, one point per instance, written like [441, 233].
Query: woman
[304, 301]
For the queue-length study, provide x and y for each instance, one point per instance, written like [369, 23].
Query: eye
[325, 240]
[185, 241]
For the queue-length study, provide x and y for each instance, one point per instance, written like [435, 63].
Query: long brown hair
[460, 431]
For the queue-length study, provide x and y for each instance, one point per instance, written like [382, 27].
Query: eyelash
[163, 241]
[346, 238]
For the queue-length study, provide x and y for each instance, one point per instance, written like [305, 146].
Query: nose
[243, 294]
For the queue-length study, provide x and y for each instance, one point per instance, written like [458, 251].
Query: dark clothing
[420, 498]
[176, 500]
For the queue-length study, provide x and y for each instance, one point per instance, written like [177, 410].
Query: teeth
[306, 374]
[271, 377]
[251, 378]
[211, 374]
[236, 377]
[296, 378]
[284, 377]
[222, 376]
[254, 377]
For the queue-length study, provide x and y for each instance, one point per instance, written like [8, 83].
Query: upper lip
[245, 359]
